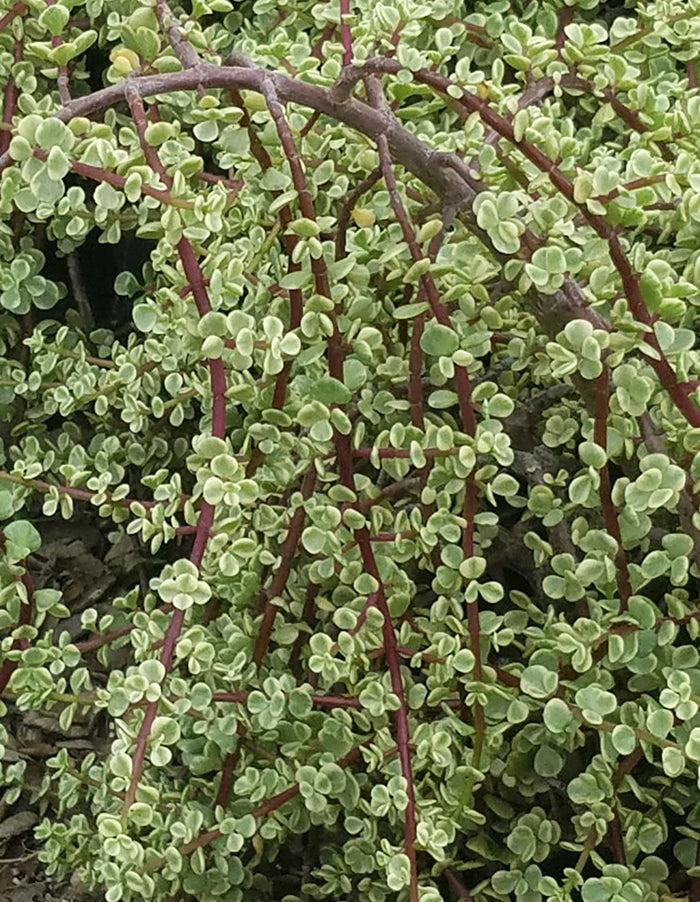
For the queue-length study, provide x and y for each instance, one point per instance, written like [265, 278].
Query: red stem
[264, 808]
[306, 617]
[344, 458]
[226, 782]
[17, 10]
[104, 639]
[391, 655]
[345, 33]
[287, 553]
[8, 106]
[630, 280]
[62, 80]
[461, 890]
[79, 494]
[632, 186]
[326, 35]
[600, 437]
[347, 208]
[296, 298]
[566, 17]
[97, 174]
[463, 387]
[195, 278]
[400, 453]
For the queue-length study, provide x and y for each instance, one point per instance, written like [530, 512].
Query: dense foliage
[396, 392]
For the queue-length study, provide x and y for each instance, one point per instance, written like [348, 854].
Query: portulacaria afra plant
[369, 327]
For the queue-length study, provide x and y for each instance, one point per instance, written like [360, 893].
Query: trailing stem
[287, 555]
[630, 280]
[205, 520]
[600, 436]
[344, 459]
[466, 408]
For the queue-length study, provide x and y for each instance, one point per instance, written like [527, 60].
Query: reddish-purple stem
[296, 298]
[345, 33]
[391, 655]
[9, 102]
[457, 886]
[306, 617]
[566, 17]
[79, 494]
[205, 520]
[97, 174]
[268, 806]
[615, 838]
[287, 553]
[415, 372]
[104, 639]
[466, 408]
[600, 437]
[345, 468]
[630, 280]
[62, 80]
[347, 208]
[17, 10]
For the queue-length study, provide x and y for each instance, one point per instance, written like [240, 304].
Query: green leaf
[145, 317]
[517, 711]
[85, 39]
[624, 739]
[330, 391]
[463, 661]
[20, 149]
[442, 399]
[410, 311]
[596, 703]
[158, 133]
[506, 238]
[538, 682]
[11, 500]
[106, 196]
[69, 50]
[501, 406]
[294, 280]
[486, 211]
[522, 842]
[584, 790]
[504, 484]
[692, 746]
[592, 455]
[206, 131]
[54, 133]
[660, 723]
[673, 761]
[473, 567]
[24, 536]
[146, 43]
[275, 180]
[418, 269]
[438, 340]
[313, 539]
[548, 761]
[54, 18]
